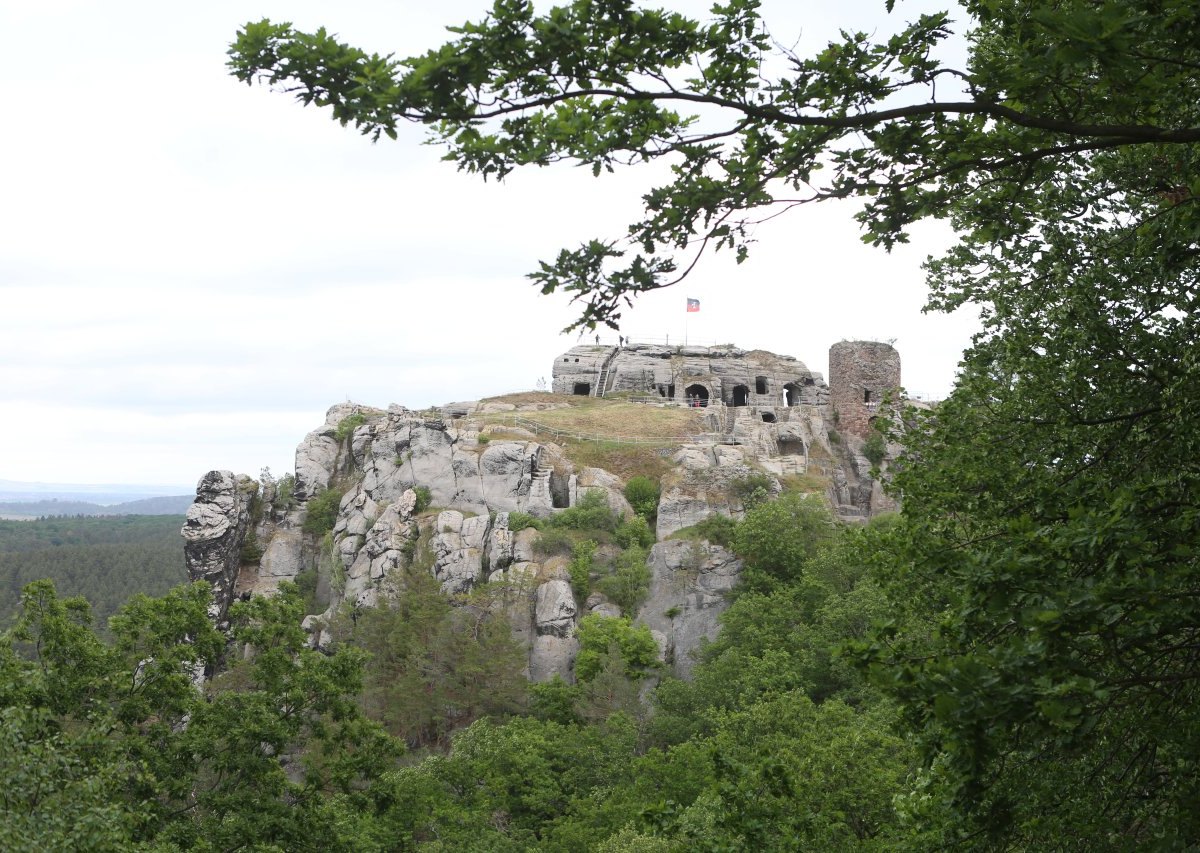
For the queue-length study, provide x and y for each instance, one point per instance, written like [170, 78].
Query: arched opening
[791, 447]
[791, 394]
[760, 385]
[741, 395]
[582, 389]
[697, 395]
[768, 417]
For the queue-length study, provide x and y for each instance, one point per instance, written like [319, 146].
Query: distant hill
[105, 494]
[163, 505]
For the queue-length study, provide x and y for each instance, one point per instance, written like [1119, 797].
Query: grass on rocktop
[591, 416]
[665, 426]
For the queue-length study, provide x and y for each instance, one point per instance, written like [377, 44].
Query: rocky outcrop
[688, 588]
[727, 374]
[459, 544]
[213, 533]
[399, 450]
[387, 546]
[556, 610]
[754, 412]
[701, 486]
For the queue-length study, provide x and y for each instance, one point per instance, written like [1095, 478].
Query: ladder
[602, 383]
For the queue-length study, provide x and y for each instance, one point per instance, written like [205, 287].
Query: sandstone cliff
[436, 491]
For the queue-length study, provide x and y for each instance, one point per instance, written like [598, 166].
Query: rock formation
[214, 531]
[765, 416]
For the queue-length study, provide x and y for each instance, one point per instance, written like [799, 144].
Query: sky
[192, 271]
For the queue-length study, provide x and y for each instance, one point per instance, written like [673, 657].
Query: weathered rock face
[387, 545]
[700, 487]
[734, 376]
[399, 450]
[459, 544]
[765, 413]
[213, 533]
[688, 588]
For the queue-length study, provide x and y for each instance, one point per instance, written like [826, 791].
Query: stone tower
[862, 374]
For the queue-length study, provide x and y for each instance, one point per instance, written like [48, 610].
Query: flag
[693, 305]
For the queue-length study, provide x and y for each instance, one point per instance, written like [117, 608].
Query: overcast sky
[192, 271]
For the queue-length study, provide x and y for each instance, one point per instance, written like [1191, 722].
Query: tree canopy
[750, 128]
[1042, 583]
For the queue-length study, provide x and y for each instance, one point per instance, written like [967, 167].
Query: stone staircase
[539, 484]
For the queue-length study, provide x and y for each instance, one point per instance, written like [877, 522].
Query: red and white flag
[693, 305]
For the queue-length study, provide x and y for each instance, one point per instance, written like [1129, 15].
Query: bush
[592, 512]
[753, 489]
[251, 549]
[347, 425]
[599, 634]
[635, 531]
[322, 512]
[717, 529]
[834, 436]
[779, 536]
[521, 520]
[875, 448]
[285, 497]
[630, 580]
[424, 498]
[553, 541]
[581, 568]
[642, 494]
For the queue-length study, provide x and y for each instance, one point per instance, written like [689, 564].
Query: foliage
[106, 560]
[252, 550]
[321, 511]
[778, 536]
[347, 425]
[752, 489]
[642, 494]
[875, 448]
[629, 581]
[554, 541]
[717, 529]
[117, 746]
[434, 667]
[285, 493]
[598, 634]
[590, 512]
[580, 568]
[424, 498]
[521, 520]
[634, 531]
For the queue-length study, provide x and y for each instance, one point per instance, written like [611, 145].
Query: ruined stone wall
[862, 374]
[734, 376]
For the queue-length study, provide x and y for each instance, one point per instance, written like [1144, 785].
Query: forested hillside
[777, 743]
[107, 559]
